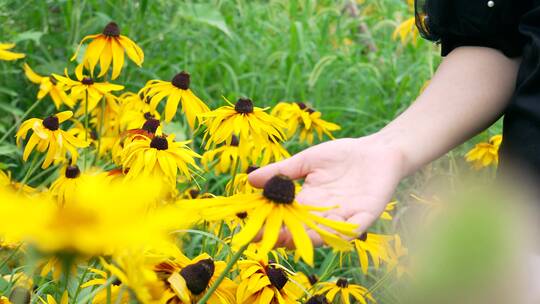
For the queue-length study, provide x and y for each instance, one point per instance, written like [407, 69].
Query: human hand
[357, 175]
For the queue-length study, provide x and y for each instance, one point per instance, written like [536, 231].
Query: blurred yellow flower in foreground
[108, 47]
[270, 210]
[47, 136]
[485, 154]
[7, 55]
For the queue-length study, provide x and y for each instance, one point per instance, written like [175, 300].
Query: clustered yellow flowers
[133, 208]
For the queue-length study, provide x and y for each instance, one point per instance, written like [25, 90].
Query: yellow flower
[485, 154]
[230, 157]
[108, 47]
[134, 112]
[47, 136]
[188, 280]
[65, 186]
[157, 156]
[85, 85]
[386, 215]
[397, 256]
[241, 184]
[7, 55]
[300, 116]
[247, 122]
[406, 31]
[264, 282]
[50, 299]
[375, 245]
[4, 300]
[100, 278]
[270, 210]
[342, 291]
[6, 181]
[272, 151]
[101, 218]
[177, 91]
[49, 85]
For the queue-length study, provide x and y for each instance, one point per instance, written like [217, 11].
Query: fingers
[363, 220]
[294, 167]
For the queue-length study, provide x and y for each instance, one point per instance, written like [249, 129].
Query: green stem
[15, 125]
[222, 276]
[81, 280]
[234, 173]
[33, 167]
[100, 131]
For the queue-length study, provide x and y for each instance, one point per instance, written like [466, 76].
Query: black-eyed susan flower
[47, 136]
[376, 246]
[5, 54]
[263, 281]
[85, 89]
[240, 184]
[270, 210]
[159, 156]
[65, 186]
[229, 157]
[300, 116]
[317, 299]
[244, 120]
[109, 47]
[134, 112]
[342, 292]
[49, 85]
[176, 91]
[485, 154]
[272, 151]
[188, 280]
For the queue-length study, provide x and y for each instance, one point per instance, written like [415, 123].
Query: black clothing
[513, 27]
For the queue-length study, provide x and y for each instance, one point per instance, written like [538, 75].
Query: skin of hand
[469, 91]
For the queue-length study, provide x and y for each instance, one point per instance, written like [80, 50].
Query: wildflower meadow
[128, 130]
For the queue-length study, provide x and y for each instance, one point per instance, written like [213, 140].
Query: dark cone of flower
[301, 105]
[151, 125]
[87, 81]
[159, 143]
[242, 215]
[198, 275]
[181, 80]
[51, 123]
[318, 299]
[277, 277]
[72, 172]
[251, 169]
[244, 106]
[363, 237]
[342, 283]
[194, 193]
[19, 295]
[111, 30]
[148, 115]
[313, 279]
[235, 141]
[93, 134]
[279, 189]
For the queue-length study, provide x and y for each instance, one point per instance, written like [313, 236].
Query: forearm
[469, 91]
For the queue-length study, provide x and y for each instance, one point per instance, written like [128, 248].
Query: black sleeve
[487, 23]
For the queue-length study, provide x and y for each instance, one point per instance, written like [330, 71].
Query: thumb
[294, 167]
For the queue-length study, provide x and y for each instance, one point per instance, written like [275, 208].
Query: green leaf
[28, 35]
[207, 14]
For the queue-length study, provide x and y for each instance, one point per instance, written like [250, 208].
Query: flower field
[128, 130]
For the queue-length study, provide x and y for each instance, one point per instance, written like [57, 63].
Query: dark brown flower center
[342, 283]
[87, 81]
[53, 80]
[279, 189]
[251, 169]
[111, 30]
[235, 141]
[159, 143]
[242, 215]
[363, 237]
[318, 299]
[313, 279]
[304, 107]
[277, 277]
[194, 193]
[51, 123]
[181, 80]
[244, 106]
[72, 172]
[198, 275]
[148, 115]
[151, 125]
